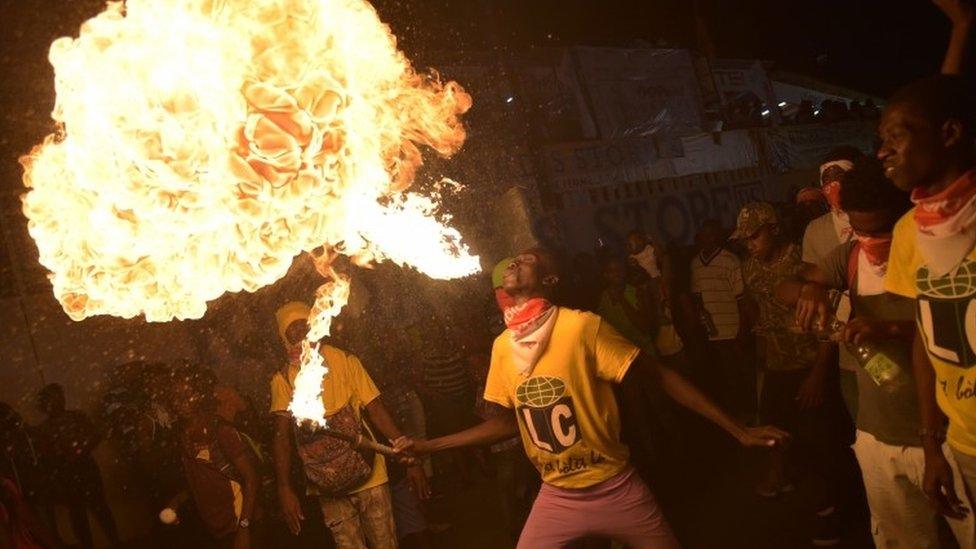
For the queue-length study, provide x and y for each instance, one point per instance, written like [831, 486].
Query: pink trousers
[621, 508]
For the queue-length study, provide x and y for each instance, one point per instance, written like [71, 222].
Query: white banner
[671, 213]
[635, 92]
[598, 163]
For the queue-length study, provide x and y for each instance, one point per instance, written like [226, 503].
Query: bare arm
[499, 426]
[687, 395]
[790, 290]
[382, 420]
[938, 482]
[960, 13]
[250, 481]
[281, 449]
[811, 392]
[808, 293]
[931, 417]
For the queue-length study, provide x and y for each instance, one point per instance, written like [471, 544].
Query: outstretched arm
[960, 14]
[808, 293]
[501, 425]
[646, 371]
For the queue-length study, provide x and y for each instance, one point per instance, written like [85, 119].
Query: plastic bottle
[876, 363]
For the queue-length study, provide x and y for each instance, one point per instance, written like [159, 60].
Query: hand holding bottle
[813, 307]
[860, 330]
[861, 336]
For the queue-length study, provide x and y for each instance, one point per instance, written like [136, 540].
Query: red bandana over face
[830, 175]
[832, 192]
[868, 264]
[875, 248]
[946, 223]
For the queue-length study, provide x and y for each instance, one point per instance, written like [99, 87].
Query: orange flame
[203, 144]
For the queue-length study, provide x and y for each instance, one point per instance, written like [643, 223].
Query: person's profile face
[522, 274]
[709, 238]
[911, 150]
[874, 223]
[760, 244]
[830, 175]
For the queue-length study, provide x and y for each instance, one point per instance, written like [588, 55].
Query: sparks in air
[204, 144]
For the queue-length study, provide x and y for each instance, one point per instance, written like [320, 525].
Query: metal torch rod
[360, 442]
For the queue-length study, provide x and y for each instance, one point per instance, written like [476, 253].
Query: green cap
[752, 217]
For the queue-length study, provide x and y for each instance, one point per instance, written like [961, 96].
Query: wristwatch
[243, 523]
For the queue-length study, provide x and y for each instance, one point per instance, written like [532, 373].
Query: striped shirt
[446, 374]
[718, 279]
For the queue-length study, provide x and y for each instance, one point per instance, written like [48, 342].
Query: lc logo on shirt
[947, 313]
[548, 413]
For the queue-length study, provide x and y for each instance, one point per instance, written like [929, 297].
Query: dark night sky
[869, 45]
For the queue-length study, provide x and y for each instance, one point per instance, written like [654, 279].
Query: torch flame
[203, 144]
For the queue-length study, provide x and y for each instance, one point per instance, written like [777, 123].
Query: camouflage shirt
[786, 347]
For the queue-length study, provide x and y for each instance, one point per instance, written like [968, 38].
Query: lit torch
[203, 144]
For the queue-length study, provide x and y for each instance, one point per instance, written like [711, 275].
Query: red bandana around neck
[531, 324]
[934, 210]
[524, 318]
[946, 223]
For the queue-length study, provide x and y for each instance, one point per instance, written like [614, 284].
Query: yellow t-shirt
[346, 383]
[946, 316]
[566, 409]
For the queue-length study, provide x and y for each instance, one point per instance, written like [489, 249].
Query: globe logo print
[954, 286]
[541, 391]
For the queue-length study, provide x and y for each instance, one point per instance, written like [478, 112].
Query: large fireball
[203, 144]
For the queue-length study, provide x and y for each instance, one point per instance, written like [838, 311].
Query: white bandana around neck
[945, 245]
[842, 225]
[870, 277]
[646, 259]
[527, 348]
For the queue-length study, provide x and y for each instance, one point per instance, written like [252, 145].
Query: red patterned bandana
[936, 212]
[946, 223]
[524, 318]
[875, 248]
[531, 324]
